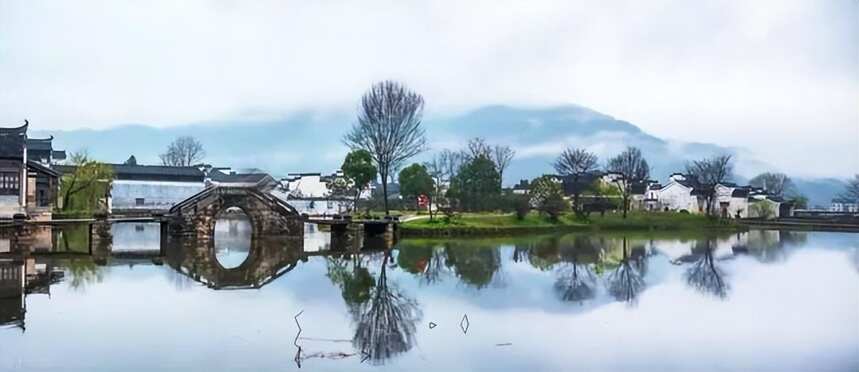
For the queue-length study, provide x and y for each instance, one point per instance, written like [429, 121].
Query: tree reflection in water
[576, 282]
[425, 261]
[83, 272]
[626, 281]
[474, 265]
[386, 323]
[353, 278]
[705, 276]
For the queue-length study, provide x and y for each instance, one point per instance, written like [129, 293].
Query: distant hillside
[311, 141]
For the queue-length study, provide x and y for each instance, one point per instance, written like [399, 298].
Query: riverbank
[486, 224]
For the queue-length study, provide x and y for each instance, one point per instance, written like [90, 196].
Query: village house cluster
[682, 194]
[31, 170]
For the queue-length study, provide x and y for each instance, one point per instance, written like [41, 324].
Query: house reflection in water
[20, 277]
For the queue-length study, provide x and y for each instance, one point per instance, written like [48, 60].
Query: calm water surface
[763, 300]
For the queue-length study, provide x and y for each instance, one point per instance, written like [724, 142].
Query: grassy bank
[508, 224]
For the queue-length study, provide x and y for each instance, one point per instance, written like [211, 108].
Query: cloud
[767, 76]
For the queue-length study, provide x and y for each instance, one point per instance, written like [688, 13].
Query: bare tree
[502, 155]
[476, 148]
[440, 173]
[778, 184]
[451, 161]
[632, 170]
[185, 151]
[576, 163]
[851, 192]
[389, 127]
[709, 173]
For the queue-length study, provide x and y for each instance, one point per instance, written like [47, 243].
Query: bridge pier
[100, 240]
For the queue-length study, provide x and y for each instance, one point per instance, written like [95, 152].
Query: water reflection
[626, 281]
[576, 280]
[704, 275]
[535, 287]
[386, 322]
[232, 238]
[473, 263]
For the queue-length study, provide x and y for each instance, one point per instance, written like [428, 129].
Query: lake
[761, 300]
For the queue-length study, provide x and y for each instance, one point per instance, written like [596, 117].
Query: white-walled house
[305, 185]
[152, 187]
[149, 187]
[732, 201]
[843, 206]
[679, 194]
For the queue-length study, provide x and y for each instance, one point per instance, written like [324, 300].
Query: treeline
[388, 133]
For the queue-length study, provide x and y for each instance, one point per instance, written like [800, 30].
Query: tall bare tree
[576, 163]
[708, 173]
[451, 161]
[502, 155]
[185, 151]
[632, 169]
[778, 184]
[851, 192]
[476, 148]
[439, 172]
[389, 127]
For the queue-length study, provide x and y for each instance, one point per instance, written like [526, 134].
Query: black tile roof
[740, 192]
[40, 143]
[12, 142]
[43, 169]
[219, 176]
[147, 172]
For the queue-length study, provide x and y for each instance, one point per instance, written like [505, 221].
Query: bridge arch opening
[233, 233]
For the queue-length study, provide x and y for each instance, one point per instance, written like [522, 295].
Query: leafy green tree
[521, 205]
[415, 181]
[358, 168]
[547, 196]
[87, 186]
[477, 184]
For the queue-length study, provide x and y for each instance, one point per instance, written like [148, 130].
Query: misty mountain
[311, 142]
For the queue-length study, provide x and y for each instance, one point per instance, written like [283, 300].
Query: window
[139, 202]
[10, 183]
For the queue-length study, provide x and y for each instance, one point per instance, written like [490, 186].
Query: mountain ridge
[310, 141]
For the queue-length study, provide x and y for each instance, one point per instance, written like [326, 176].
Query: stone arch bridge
[269, 216]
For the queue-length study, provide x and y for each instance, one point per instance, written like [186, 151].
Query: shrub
[553, 205]
[522, 205]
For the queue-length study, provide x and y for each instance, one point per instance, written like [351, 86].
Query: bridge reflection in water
[32, 258]
[374, 281]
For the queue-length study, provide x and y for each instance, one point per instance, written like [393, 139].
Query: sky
[779, 79]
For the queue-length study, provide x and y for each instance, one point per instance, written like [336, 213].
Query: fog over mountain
[311, 142]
